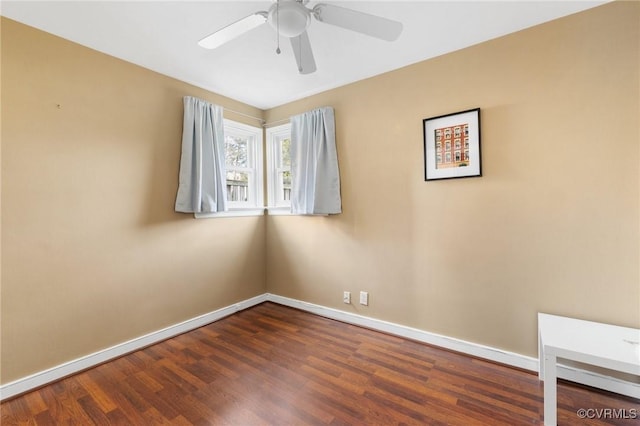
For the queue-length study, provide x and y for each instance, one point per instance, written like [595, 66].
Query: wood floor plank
[95, 412]
[273, 365]
[35, 403]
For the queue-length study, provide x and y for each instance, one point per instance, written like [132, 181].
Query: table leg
[550, 389]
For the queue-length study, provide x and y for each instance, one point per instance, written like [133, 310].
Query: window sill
[279, 211]
[232, 213]
[286, 211]
[248, 212]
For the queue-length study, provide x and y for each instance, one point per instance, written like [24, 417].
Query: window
[243, 160]
[279, 166]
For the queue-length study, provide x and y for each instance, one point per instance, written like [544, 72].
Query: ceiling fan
[291, 18]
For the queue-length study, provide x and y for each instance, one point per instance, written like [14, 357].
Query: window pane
[237, 186]
[235, 152]
[285, 152]
[285, 182]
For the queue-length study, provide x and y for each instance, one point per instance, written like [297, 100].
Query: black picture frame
[452, 145]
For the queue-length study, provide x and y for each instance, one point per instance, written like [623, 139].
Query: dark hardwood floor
[273, 365]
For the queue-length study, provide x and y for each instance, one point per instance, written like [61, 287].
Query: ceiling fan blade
[375, 26]
[234, 30]
[303, 53]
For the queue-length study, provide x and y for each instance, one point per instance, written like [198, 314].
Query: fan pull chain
[278, 26]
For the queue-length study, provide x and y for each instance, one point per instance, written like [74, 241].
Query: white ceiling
[163, 35]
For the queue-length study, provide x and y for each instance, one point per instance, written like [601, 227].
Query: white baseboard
[577, 375]
[469, 348]
[42, 378]
[72, 367]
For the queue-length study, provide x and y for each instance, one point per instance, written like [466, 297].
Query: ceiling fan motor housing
[289, 17]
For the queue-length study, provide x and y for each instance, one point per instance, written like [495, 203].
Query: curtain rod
[263, 123]
[284, 120]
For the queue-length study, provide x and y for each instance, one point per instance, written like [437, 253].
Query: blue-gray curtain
[315, 178]
[202, 182]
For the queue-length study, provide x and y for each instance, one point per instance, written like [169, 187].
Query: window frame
[254, 206]
[274, 135]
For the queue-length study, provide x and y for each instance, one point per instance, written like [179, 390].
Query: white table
[602, 345]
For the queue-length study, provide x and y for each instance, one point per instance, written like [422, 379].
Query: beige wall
[552, 226]
[93, 254]
[92, 251]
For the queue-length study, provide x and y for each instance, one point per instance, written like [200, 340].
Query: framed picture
[452, 145]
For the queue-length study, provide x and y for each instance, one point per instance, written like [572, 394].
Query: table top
[605, 345]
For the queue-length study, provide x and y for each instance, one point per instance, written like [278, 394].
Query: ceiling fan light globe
[290, 18]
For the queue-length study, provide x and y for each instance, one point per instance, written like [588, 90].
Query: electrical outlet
[364, 298]
[346, 297]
